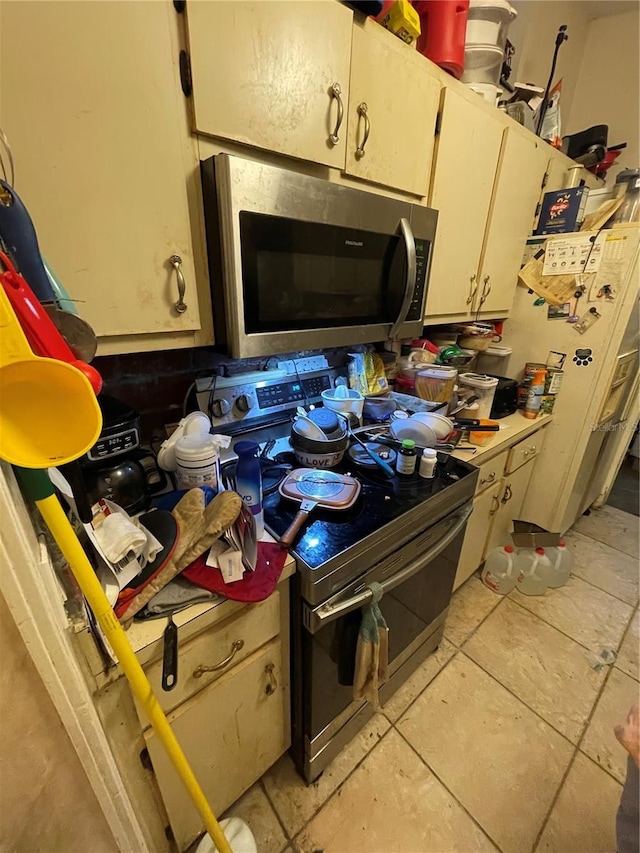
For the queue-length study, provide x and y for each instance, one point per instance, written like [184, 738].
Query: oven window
[306, 275]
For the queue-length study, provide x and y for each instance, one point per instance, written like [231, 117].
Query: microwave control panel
[235, 404]
[422, 260]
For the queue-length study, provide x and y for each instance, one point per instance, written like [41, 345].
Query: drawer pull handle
[272, 684]
[495, 505]
[363, 113]
[508, 494]
[199, 671]
[176, 263]
[531, 450]
[336, 92]
[489, 478]
[473, 287]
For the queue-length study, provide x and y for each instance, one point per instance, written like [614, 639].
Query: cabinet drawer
[231, 733]
[524, 451]
[252, 627]
[490, 472]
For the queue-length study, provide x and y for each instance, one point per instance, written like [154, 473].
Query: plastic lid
[478, 380]
[409, 443]
[508, 549]
[539, 550]
[326, 419]
[438, 372]
[197, 423]
[562, 543]
[428, 452]
[246, 448]
[192, 447]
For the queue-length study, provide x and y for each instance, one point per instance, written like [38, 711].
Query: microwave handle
[334, 607]
[410, 283]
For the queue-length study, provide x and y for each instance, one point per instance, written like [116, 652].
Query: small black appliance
[505, 400]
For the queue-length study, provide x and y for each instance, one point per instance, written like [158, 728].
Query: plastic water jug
[561, 560]
[499, 572]
[443, 28]
[534, 568]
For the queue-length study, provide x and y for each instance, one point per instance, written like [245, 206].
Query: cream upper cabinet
[274, 75]
[393, 106]
[523, 163]
[91, 106]
[468, 148]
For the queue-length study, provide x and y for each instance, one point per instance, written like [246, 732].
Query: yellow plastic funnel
[49, 414]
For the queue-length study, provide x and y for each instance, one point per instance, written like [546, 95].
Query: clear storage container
[481, 386]
[436, 383]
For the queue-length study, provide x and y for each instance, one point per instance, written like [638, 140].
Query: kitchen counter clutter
[513, 429]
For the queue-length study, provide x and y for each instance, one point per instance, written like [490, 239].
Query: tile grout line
[606, 544]
[447, 789]
[564, 633]
[287, 836]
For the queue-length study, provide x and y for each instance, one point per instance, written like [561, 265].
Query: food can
[547, 403]
[530, 370]
[522, 396]
[553, 380]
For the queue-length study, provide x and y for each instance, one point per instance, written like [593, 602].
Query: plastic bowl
[482, 438]
[439, 424]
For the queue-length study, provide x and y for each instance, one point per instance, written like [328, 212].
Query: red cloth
[254, 586]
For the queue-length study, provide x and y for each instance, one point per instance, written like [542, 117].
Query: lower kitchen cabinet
[485, 505]
[512, 494]
[231, 732]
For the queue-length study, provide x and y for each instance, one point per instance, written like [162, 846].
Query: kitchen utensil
[170, 656]
[19, 237]
[464, 404]
[329, 422]
[388, 470]
[37, 486]
[312, 488]
[422, 434]
[44, 337]
[343, 400]
[49, 413]
[304, 426]
[481, 436]
[323, 453]
[377, 409]
[362, 456]
[80, 337]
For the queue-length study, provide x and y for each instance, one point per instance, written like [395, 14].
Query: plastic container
[483, 64]
[443, 33]
[629, 181]
[561, 560]
[407, 458]
[346, 401]
[494, 360]
[535, 393]
[488, 22]
[489, 91]
[428, 461]
[249, 481]
[436, 383]
[196, 461]
[479, 439]
[534, 568]
[403, 21]
[499, 572]
[482, 386]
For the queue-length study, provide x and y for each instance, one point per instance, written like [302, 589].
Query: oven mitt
[199, 527]
[372, 651]
[254, 586]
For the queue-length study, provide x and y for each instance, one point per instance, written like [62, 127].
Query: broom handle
[36, 484]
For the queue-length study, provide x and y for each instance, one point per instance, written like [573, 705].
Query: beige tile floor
[502, 740]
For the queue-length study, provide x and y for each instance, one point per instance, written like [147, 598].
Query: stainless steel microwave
[299, 263]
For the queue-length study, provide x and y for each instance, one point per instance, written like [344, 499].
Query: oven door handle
[335, 607]
[410, 282]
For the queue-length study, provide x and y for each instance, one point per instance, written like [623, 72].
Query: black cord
[560, 38]
[211, 394]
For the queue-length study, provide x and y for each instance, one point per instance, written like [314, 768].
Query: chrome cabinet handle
[508, 494]
[489, 478]
[530, 450]
[336, 93]
[363, 111]
[410, 281]
[495, 505]
[486, 289]
[473, 281]
[199, 671]
[272, 684]
[176, 263]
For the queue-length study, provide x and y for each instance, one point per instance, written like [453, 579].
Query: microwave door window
[301, 275]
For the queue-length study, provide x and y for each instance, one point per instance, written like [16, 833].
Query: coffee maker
[116, 467]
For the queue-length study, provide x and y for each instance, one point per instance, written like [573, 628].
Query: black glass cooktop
[328, 533]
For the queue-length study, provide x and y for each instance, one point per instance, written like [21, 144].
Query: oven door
[310, 264]
[417, 582]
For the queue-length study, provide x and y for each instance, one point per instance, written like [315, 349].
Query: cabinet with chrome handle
[473, 288]
[507, 495]
[363, 113]
[236, 646]
[490, 478]
[336, 94]
[180, 305]
[530, 451]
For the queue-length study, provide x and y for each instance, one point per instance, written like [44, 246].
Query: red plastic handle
[41, 332]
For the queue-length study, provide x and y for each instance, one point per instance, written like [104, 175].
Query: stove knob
[244, 403]
[220, 408]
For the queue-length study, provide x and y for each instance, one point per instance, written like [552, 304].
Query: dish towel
[372, 651]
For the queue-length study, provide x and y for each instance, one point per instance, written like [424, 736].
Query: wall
[46, 803]
[533, 33]
[608, 91]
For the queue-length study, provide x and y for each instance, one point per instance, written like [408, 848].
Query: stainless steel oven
[298, 262]
[417, 580]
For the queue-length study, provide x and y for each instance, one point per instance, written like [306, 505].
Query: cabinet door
[90, 104]
[263, 74]
[512, 495]
[473, 548]
[466, 160]
[401, 99]
[231, 733]
[523, 162]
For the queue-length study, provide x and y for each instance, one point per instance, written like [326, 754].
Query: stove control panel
[234, 405]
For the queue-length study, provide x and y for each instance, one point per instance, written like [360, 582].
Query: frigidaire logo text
[353, 243]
